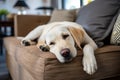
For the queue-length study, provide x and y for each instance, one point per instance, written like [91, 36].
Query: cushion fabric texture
[115, 37]
[96, 18]
[63, 15]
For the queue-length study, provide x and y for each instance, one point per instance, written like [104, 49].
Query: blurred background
[35, 6]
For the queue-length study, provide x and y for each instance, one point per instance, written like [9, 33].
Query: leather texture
[29, 63]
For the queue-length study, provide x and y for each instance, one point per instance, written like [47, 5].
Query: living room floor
[4, 74]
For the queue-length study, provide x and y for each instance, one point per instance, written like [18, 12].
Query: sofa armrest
[23, 24]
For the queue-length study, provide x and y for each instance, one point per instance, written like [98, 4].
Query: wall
[33, 4]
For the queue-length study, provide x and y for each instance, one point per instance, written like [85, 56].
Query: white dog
[60, 39]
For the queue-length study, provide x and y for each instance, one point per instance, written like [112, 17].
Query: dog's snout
[65, 52]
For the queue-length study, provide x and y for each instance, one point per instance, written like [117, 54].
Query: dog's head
[61, 42]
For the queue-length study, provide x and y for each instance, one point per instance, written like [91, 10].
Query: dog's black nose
[65, 52]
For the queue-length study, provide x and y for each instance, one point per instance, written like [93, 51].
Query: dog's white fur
[53, 32]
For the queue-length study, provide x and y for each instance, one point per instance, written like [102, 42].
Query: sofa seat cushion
[45, 66]
[12, 42]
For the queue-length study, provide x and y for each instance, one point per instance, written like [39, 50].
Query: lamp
[21, 6]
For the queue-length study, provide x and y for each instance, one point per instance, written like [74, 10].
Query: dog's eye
[52, 43]
[64, 36]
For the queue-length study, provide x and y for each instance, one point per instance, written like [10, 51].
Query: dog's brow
[52, 43]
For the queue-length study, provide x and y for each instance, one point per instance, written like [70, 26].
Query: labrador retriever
[60, 39]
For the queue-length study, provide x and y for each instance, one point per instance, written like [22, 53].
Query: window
[72, 4]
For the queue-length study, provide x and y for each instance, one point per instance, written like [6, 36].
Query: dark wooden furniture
[6, 29]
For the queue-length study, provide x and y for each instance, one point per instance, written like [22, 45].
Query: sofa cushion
[63, 15]
[12, 42]
[11, 46]
[115, 37]
[45, 66]
[96, 18]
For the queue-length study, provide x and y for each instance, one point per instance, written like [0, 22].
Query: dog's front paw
[43, 48]
[25, 42]
[89, 64]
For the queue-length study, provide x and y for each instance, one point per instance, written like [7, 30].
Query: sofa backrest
[23, 24]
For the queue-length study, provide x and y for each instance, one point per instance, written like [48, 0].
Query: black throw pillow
[96, 18]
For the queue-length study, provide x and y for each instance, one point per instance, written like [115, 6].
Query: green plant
[4, 12]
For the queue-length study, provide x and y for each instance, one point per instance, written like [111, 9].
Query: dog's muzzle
[66, 54]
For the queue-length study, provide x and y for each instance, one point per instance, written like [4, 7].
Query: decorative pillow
[63, 15]
[96, 19]
[115, 37]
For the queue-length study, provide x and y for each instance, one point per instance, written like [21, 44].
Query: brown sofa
[29, 63]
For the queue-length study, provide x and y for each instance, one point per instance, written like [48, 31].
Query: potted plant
[3, 14]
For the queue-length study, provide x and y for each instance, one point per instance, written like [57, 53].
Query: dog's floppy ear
[77, 34]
